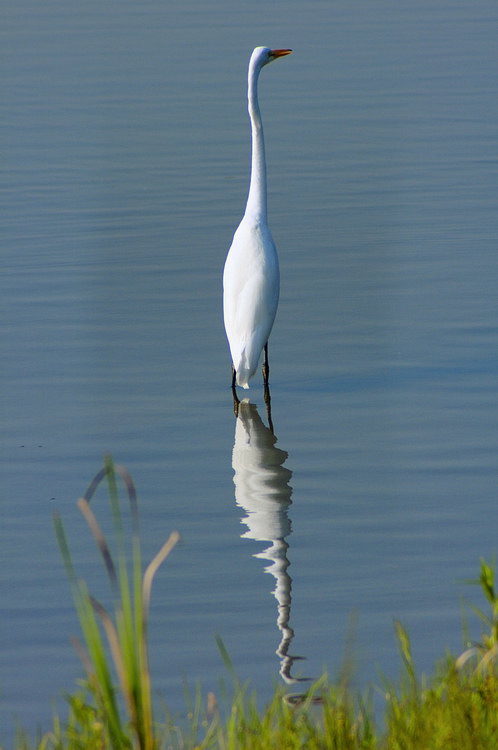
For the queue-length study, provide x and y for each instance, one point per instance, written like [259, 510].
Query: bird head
[264, 55]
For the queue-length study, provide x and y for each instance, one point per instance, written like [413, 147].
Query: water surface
[125, 173]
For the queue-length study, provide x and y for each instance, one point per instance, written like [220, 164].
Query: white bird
[251, 278]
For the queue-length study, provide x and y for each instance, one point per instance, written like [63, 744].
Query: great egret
[251, 278]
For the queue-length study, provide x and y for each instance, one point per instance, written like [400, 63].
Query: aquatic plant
[115, 648]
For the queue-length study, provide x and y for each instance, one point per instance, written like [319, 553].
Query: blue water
[126, 153]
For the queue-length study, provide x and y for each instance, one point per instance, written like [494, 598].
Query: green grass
[114, 650]
[454, 709]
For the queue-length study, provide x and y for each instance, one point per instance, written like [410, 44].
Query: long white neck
[256, 201]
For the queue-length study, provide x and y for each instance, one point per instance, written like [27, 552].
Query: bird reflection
[262, 490]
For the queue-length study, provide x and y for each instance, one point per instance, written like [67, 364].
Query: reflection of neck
[277, 553]
[256, 201]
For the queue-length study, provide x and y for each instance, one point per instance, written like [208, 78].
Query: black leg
[236, 401]
[266, 367]
[266, 386]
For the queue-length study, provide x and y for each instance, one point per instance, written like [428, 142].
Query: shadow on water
[262, 490]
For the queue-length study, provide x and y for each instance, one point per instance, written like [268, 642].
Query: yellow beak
[280, 52]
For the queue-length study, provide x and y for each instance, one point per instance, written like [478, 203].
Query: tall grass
[454, 709]
[114, 648]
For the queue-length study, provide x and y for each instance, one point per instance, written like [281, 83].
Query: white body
[251, 279]
[251, 282]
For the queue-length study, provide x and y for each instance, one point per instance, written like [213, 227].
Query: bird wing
[251, 290]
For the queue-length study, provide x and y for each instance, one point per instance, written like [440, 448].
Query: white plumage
[251, 279]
